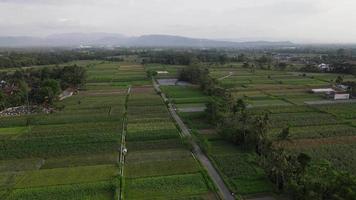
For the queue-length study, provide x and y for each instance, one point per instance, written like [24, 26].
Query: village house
[333, 93]
[324, 67]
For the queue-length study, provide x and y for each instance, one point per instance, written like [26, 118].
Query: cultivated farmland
[158, 164]
[285, 95]
[324, 131]
[72, 153]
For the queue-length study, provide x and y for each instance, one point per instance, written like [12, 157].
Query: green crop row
[165, 186]
[152, 135]
[98, 190]
[301, 119]
[322, 131]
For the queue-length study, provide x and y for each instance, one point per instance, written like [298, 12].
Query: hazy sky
[297, 20]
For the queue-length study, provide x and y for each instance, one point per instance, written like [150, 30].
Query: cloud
[288, 19]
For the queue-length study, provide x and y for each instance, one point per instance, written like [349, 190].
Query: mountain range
[109, 39]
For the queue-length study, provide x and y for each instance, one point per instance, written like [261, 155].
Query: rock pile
[23, 110]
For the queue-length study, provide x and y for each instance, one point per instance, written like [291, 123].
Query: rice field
[325, 132]
[158, 164]
[72, 153]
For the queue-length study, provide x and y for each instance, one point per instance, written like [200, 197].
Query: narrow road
[123, 144]
[224, 191]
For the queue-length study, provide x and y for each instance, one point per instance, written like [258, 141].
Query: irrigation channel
[123, 145]
[204, 160]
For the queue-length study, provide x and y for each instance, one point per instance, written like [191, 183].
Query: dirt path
[227, 76]
[224, 191]
[123, 145]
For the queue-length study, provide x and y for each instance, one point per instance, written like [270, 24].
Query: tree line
[13, 59]
[175, 57]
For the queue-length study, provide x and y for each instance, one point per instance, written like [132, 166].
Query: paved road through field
[224, 191]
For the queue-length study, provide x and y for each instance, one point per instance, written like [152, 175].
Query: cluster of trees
[292, 173]
[167, 57]
[38, 86]
[175, 57]
[200, 75]
[193, 74]
[295, 174]
[340, 61]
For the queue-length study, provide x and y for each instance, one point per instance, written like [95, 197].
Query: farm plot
[117, 74]
[239, 169]
[267, 102]
[186, 98]
[302, 119]
[84, 129]
[341, 156]
[323, 131]
[342, 110]
[158, 165]
[164, 187]
[285, 109]
[81, 160]
[329, 77]
[71, 175]
[97, 190]
[70, 154]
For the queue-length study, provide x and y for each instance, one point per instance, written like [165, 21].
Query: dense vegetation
[38, 86]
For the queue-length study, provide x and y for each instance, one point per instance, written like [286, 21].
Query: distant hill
[109, 39]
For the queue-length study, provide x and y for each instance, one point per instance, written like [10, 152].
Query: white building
[2, 83]
[342, 87]
[342, 96]
[162, 72]
[323, 90]
[324, 67]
